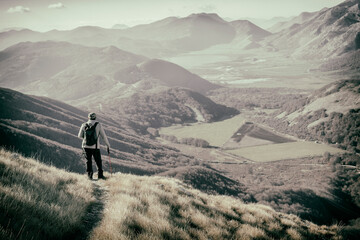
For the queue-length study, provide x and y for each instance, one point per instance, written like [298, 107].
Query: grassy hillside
[329, 114]
[43, 202]
[172, 106]
[48, 128]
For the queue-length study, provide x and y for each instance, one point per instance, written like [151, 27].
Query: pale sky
[44, 15]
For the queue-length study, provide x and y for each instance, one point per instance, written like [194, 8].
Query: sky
[45, 15]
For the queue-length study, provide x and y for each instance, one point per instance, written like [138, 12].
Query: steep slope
[39, 201]
[47, 128]
[246, 29]
[248, 35]
[329, 114]
[330, 33]
[62, 205]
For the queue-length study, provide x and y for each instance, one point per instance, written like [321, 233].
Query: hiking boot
[102, 177]
[90, 175]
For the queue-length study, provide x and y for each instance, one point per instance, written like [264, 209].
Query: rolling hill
[173, 75]
[49, 68]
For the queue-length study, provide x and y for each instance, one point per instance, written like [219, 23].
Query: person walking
[90, 132]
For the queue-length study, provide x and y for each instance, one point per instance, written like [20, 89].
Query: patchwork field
[282, 151]
[217, 133]
[249, 141]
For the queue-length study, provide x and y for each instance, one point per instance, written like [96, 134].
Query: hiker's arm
[103, 135]
[81, 132]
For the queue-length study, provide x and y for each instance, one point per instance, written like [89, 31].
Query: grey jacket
[99, 132]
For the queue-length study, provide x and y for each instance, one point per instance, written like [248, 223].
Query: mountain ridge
[169, 36]
[328, 33]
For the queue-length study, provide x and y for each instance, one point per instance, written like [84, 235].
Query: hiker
[90, 132]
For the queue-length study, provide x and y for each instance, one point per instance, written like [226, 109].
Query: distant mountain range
[49, 68]
[325, 34]
[303, 17]
[328, 33]
[104, 79]
[166, 37]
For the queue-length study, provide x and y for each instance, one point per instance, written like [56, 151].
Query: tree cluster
[196, 142]
[250, 98]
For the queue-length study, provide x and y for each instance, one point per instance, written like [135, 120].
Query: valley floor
[288, 174]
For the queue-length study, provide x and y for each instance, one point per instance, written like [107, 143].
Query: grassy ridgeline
[164, 208]
[41, 202]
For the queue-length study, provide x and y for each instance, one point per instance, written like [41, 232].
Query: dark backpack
[90, 134]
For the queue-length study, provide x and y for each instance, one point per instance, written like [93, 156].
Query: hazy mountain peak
[325, 34]
[245, 28]
[87, 28]
[210, 16]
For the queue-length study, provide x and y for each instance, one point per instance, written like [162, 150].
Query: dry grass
[42, 202]
[39, 201]
[163, 208]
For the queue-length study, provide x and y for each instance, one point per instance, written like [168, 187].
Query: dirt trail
[94, 211]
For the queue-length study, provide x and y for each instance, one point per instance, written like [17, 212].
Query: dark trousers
[97, 157]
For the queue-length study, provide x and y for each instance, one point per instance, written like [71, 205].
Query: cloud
[18, 9]
[58, 5]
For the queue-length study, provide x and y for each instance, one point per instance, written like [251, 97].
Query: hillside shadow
[317, 209]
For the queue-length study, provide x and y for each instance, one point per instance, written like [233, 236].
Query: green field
[282, 151]
[216, 133]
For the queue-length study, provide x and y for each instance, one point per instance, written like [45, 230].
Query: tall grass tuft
[39, 201]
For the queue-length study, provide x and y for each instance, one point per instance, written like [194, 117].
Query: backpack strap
[96, 123]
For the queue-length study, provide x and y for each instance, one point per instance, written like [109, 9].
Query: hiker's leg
[98, 161]
[88, 155]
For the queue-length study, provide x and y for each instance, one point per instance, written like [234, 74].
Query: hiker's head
[92, 116]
